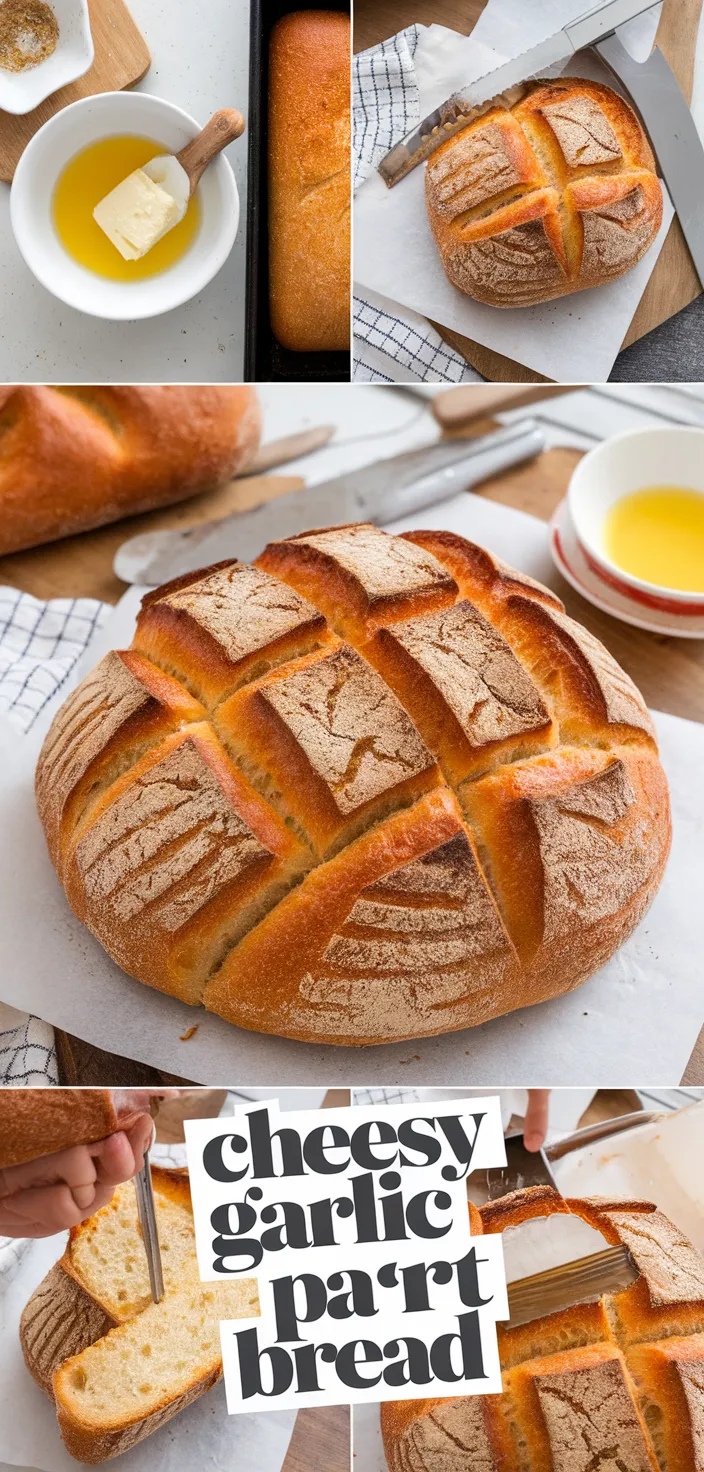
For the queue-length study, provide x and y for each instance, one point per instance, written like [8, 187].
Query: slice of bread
[144, 1371]
[117, 1365]
[105, 1253]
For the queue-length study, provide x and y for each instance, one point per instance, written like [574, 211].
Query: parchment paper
[637, 1018]
[653, 1162]
[573, 339]
[202, 1437]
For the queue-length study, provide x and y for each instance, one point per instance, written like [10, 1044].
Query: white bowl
[33, 186]
[629, 462]
[22, 91]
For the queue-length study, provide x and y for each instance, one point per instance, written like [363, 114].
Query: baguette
[373, 787]
[117, 1365]
[309, 181]
[612, 1384]
[552, 195]
[76, 458]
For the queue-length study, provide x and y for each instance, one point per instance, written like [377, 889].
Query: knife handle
[458, 407]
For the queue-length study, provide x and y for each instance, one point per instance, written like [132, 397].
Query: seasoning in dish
[29, 32]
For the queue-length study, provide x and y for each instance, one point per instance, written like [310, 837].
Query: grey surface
[673, 353]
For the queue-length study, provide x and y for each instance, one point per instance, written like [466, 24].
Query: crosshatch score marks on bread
[374, 787]
[552, 195]
[617, 1384]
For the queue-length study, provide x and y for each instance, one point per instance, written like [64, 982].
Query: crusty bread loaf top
[617, 1384]
[552, 195]
[309, 181]
[396, 750]
[73, 458]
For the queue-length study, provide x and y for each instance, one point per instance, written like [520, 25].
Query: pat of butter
[136, 214]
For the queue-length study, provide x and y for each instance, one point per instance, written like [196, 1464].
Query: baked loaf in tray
[616, 1384]
[76, 458]
[309, 181]
[557, 193]
[373, 787]
[117, 1365]
[36, 1122]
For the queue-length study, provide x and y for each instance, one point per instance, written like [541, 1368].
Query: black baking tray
[264, 358]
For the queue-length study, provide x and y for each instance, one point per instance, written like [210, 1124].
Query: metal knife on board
[651, 84]
[583, 1281]
[382, 492]
[147, 1221]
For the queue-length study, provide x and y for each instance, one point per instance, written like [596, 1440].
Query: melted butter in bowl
[657, 534]
[84, 182]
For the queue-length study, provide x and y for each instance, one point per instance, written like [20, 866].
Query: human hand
[535, 1125]
[55, 1192]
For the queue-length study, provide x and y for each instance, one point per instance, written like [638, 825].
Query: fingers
[44, 1210]
[120, 1156]
[58, 1191]
[536, 1122]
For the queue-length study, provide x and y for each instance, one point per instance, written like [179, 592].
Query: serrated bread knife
[651, 84]
[382, 492]
[582, 1281]
[147, 1221]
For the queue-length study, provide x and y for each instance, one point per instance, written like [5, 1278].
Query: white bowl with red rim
[673, 456]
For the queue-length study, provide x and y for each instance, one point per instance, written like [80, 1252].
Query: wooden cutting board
[121, 59]
[674, 282]
[669, 671]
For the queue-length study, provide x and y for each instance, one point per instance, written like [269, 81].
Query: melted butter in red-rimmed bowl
[636, 504]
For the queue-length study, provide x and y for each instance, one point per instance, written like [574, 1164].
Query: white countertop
[200, 61]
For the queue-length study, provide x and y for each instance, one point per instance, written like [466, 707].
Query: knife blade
[505, 85]
[147, 1221]
[673, 133]
[583, 1281]
[381, 492]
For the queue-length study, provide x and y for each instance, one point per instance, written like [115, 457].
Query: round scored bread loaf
[617, 1383]
[552, 195]
[370, 788]
[76, 458]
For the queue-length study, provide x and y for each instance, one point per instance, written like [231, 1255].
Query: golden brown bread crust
[59, 1320]
[36, 1122]
[607, 1384]
[374, 787]
[76, 458]
[554, 195]
[309, 181]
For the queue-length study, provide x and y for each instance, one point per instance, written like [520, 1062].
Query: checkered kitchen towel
[392, 343]
[40, 644]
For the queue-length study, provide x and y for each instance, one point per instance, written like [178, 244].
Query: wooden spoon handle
[223, 128]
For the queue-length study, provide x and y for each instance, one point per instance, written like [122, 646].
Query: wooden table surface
[320, 1442]
[374, 20]
[670, 673]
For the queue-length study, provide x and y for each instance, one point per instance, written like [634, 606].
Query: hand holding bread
[56, 1192]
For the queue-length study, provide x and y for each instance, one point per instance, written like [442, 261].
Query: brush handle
[224, 127]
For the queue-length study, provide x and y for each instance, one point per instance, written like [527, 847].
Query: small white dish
[31, 214]
[21, 92]
[570, 560]
[628, 462]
